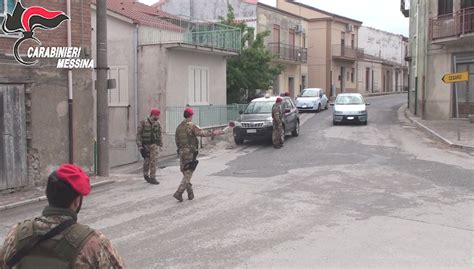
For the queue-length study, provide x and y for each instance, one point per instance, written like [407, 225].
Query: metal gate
[13, 159]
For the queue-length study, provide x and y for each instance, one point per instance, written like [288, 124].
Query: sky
[381, 14]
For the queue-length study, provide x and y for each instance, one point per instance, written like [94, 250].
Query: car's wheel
[334, 122]
[238, 140]
[364, 123]
[296, 131]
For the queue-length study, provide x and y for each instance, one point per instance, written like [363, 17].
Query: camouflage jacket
[276, 114]
[193, 130]
[97, 252]
[156, 126]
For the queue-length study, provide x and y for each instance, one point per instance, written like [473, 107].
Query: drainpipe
[70, 102]
[135, 78]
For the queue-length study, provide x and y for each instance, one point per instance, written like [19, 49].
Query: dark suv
[256, 121]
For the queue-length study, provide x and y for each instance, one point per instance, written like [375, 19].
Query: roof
[280, 11]
[142, 14]
[323, 11]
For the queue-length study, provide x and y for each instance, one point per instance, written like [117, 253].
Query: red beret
[75, 177]
[279, 99]
[155, 112]
[189, 111]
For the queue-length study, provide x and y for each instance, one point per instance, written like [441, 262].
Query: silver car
[350, 108]
[312, 99]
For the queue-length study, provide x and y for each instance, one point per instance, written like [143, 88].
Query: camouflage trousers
[277, 134]
[149, 166]
[185, 155]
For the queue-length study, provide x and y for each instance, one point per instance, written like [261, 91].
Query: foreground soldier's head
[66, 187]
[155, 113]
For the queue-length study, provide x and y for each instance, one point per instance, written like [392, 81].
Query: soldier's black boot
[189, 190]
[179, 193]
[147, 178]
[153, 181]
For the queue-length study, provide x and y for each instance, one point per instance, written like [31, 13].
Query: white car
[350, 107]
[312, 99]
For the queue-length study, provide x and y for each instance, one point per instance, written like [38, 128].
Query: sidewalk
[446, 131]
[14, 198]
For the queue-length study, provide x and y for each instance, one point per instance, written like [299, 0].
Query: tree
[252, 69]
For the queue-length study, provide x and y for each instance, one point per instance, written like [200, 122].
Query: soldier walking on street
[148, 140]
[278, 132]
[187, 144]
[56, 240]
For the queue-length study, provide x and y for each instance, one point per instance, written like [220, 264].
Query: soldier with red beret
[148, 140]
[188, 145]
[278, 132]
[56, 240]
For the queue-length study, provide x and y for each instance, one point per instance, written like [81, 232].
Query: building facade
[333, 50]
[39, 131]
[441, 42]
[287, 43]
[383, 67]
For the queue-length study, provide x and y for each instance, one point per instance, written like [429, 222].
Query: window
[352, 75]
[119, 95]
[292, 37]
[445, 7]
[6, 6]
[304, 41]
[276, 33]
[348, 76]
[367, 79]
[352, 41]
[198, 85]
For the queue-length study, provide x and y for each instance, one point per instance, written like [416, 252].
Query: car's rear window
[310, 93]
[349, 100]
[260, 107]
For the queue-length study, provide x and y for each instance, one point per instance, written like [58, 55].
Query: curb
[381, 94]
[43, 198]
[437, 135]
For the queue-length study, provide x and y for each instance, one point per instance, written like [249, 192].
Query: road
[382, 195]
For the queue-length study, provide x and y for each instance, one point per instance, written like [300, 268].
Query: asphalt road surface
[382, 196]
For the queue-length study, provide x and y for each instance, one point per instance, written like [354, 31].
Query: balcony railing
[346, 52]
[452, 25]
[288, 52]
[181, 29]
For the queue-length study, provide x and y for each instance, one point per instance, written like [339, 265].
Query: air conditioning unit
[350, 28]
[299, 29]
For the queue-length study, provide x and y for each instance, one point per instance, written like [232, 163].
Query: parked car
[256, 121]
[350, 107]
[312, 99]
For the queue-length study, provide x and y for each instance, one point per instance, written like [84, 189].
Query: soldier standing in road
[187, 144]
[277, 124]
[56, 240]
[148, 140]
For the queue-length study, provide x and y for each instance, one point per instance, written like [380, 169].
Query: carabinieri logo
[25, 21]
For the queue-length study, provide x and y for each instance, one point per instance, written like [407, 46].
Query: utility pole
[102, 91]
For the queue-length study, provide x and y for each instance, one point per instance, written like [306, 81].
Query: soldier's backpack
[58, 248]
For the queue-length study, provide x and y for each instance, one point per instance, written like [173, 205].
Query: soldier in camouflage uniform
[148, 140]
[187, 144]
[277, 124]
[70, 244]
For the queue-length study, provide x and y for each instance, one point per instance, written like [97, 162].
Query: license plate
[350, 118]
[251, 131]
[304, 106]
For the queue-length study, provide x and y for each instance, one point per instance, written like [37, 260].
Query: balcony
[452, 28]
[198, 34]
[344, 53]
[286, 52]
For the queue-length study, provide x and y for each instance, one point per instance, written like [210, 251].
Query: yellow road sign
[456, 77]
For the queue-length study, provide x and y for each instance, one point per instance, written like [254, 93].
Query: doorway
[291, 86]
